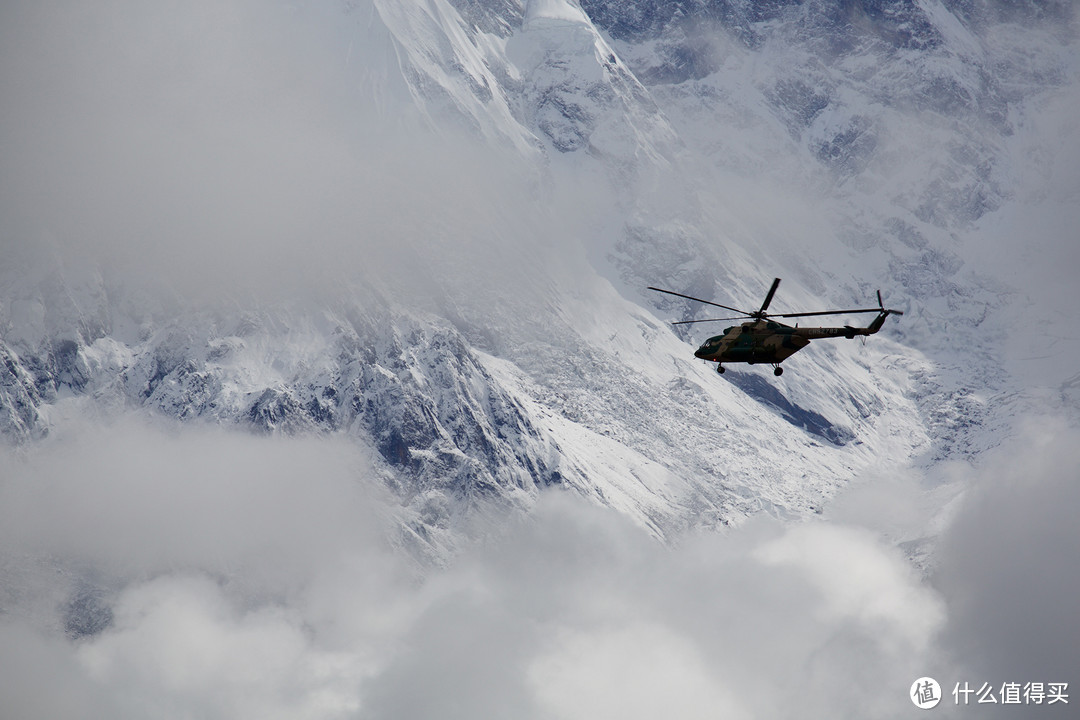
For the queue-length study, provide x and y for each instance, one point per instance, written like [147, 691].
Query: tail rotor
[881, 305]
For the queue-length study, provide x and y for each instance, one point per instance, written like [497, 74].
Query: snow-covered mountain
[331, 386]
[706, 147]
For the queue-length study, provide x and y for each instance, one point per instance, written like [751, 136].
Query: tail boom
[847, 331]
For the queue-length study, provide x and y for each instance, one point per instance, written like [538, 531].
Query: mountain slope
[478, 315]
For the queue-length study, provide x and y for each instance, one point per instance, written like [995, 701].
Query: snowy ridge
[456, 429]
[780, 144]
[579, 94]
[553, 13]
[454, 73]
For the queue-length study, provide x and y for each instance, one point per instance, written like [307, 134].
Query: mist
[252, 577]
[223, 153]
[221, 156]
[1001, 559]
[156, 572]
[259, 153]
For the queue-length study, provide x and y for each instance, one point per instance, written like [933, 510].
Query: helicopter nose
[700, 352]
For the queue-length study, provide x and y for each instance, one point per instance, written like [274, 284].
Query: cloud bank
[1005, 565]
[154, 572]
[223, 151]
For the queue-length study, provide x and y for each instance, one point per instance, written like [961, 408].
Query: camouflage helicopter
[762, 340]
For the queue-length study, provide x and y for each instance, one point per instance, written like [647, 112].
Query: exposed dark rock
[87, 613]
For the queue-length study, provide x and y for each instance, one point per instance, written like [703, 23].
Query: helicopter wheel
[720, 369]
[778, 371]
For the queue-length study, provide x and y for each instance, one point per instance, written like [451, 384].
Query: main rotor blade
[768, 298]
[691, 322]
[688, 297]
[827, 312]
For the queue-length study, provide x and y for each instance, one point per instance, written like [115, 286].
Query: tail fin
[880, 319]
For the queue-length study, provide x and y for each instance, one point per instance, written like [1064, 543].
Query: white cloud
[179, 647]
[150, 501]
[577, 613]
[636, 670]
[40, 676]
[1006, 563]
[251, 577]
[859, 581]
[230, 575]
[229, 151]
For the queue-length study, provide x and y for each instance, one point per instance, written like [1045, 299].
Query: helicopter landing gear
[720, 368]
[778, 371]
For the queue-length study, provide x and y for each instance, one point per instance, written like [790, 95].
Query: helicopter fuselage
[762, 340]
[767, 341]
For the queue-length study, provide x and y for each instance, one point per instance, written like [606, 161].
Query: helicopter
[763, 340]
